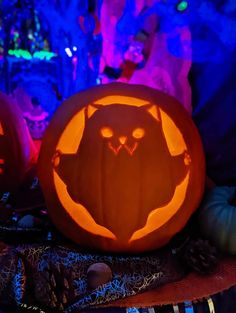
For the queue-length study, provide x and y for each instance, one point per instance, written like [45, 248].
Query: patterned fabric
[220, 303]
[55, 277]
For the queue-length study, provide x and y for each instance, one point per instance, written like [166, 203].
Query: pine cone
[200, 256]
[54, 287]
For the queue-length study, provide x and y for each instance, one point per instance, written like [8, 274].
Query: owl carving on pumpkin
[121, 167]
[123, 161]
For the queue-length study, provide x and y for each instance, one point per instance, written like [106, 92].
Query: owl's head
[138, 123]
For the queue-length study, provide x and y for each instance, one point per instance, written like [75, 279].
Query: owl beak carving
[122, 139]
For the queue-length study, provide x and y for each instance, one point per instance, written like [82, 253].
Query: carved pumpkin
[121, 167]
[217, 218]
[15, 146]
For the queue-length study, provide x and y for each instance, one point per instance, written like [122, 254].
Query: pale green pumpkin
[217, 218]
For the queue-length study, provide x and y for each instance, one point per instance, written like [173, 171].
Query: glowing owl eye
[106, 132]
[138, 133]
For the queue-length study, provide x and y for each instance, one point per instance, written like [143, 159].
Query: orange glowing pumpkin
[15, 148]
[122, 168]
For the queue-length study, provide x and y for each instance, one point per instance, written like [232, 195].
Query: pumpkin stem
[232, 201]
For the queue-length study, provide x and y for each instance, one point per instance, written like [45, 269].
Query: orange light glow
[75, 127]
[174, 138]
[69, 142]
[156, 218]
[78, 212]
[161, 216]
[56, 159]
[154, 111]
[1, 163]
[122, 139]
[106, 132]
[132, 101]
[131, 149]
[1, 130]
[91, 110]
[187, 159]
[138, 133]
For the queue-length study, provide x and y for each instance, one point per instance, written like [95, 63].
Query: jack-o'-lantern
[15, 149]
[121, 167]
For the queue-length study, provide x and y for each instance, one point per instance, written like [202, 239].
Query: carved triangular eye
[106, 132]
